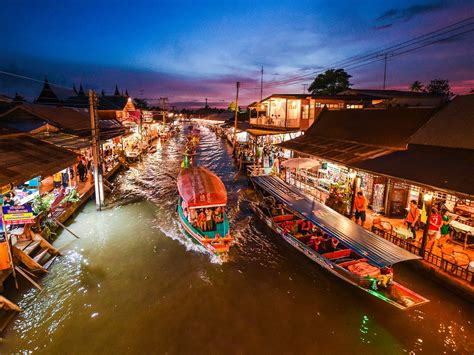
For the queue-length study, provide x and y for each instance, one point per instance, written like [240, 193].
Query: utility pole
[236, 115]
[304, 88]
[98, 187]
[385, 71]
[261, 84]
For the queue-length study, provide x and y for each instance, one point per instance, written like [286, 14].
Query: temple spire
[126, 93]
[74, 88]
[81, 91]
[117, 92]
[47, 95]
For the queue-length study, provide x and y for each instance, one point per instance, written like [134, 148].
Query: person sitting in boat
[185, 212]
[209, 219]
[296, 228]
[218, 215]
[386, 277]
[331, 245]
[193, 217]
[202, 220]
[306, 226]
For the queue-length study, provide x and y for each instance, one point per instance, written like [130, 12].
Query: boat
[201, 191]
[333, 241]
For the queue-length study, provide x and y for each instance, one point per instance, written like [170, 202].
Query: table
[462, 228]
[403, 233]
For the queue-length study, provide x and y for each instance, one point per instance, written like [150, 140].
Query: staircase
[36, 254]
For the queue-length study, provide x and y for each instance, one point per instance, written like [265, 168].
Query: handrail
[461, 272]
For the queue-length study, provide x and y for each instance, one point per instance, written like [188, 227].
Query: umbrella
[300, 163]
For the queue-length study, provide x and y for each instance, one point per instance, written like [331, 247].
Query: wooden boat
[202, 191]
[352, 253]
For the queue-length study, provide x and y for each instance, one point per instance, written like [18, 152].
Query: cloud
[391, 16]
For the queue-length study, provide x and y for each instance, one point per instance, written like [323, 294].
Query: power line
[368, 57]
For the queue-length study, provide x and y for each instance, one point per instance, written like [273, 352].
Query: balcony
[273, 122]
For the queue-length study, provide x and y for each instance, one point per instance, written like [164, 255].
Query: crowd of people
[206, 219]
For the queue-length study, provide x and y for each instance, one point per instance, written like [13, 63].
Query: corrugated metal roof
[452, 127]
[377, 250]
[24, 158]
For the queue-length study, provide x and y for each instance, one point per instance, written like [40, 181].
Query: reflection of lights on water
[364, 329]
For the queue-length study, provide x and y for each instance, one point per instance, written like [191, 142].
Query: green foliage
[141, 103]
[416, 86]
[72, 197]
[42, 204]
[332, 82]
[439, 87]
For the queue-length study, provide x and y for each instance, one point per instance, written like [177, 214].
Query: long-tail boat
[201, 209]
[336, 243]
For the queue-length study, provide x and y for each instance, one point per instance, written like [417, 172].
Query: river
[134, 283]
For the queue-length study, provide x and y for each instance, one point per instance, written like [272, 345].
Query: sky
[192, 50]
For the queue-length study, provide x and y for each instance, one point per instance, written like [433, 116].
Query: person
[81, 171]
[445, 228]
[202, 220]
[435, 225]
[193, 216]
[360, 204]
[209, 219]
[295, 228]
[412, 218]
[57, 178]
[8, 201]
[331, 245]
[218, 215]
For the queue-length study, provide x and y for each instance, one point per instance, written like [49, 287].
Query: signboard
[398, 201]
[147, 116]
[18, 214]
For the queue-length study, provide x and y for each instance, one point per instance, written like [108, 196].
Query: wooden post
[95, 149]
[236, 115]
[427, 200]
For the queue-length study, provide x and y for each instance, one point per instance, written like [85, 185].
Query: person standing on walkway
[412, 218]
[81, 171]
[445, 229]
[360, 204]
[435, 223]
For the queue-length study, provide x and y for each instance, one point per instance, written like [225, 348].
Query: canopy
[379, 251]
[201, 188]
[300, 163]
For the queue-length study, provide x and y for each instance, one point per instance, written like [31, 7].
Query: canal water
[134, 283]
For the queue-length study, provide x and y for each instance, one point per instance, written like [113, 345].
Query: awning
[334, 149]
[266, 132]
[379, 251]
[24, 157]
[450, 169]
[201, 188]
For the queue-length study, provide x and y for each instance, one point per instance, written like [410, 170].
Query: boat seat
[283, 218]
[338, 254]
[352, 262]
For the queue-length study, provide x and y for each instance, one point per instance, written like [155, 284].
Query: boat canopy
[199, 188]
[379, 251]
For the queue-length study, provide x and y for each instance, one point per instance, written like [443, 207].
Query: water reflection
[135, 283]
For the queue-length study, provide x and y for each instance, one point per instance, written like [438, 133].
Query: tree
[472, 91]
[439, 87]
[417, 86]
[333, 81]
[141, 103]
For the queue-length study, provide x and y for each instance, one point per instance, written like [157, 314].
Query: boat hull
[405, 298]
[219, 249]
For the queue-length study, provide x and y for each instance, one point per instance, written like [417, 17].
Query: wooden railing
[448, 266]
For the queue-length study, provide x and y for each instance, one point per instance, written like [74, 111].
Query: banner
[18, 214]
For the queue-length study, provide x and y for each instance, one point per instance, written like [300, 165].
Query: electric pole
[261, 84]
[385, 71]
[304, 88]
[236, 114]
[98, 187]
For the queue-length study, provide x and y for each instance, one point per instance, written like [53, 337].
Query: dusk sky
[190, 50]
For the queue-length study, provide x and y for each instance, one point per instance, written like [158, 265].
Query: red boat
[201, 209]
